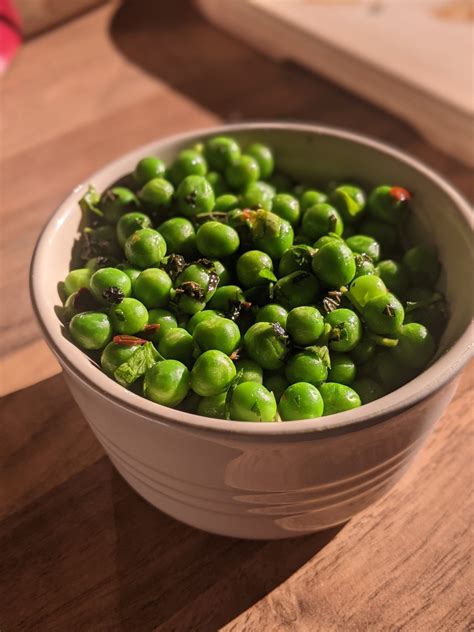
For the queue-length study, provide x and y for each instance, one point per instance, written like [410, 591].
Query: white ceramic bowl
[271, 480]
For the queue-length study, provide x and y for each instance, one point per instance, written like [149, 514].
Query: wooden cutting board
[413, 57]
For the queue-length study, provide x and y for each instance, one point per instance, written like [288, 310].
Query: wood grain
[78, 549]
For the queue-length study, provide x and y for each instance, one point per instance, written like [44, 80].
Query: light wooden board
[415, 58]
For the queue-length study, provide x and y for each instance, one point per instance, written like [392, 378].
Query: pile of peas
[220, 286]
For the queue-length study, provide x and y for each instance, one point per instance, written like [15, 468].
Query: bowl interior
[308, 154]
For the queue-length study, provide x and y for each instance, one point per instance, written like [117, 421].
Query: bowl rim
[438, 374]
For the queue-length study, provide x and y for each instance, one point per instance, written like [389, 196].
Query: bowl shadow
[174, 577]
[173, 42]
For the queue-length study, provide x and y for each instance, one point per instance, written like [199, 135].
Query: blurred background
[87, 80]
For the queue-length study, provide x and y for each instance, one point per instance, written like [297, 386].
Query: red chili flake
[149, 329]
[246, 305]
[129, 341]
[235, 354]
[400, 194]
[248, 214]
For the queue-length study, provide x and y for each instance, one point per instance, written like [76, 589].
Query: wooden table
[78, 549]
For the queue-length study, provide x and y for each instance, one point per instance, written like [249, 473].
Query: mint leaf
[322, 353]
[233, 385]
[90, 202]
[267, 274]
[136, 366]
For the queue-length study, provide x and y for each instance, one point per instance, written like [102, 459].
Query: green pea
[326, 239]
[148, 168]
[349, 200]
[368, 389]
[177, 344]
[76, 280]
[227, 202]
[275, 383]
[214, 239]
[287, 207]
[343, 369]
[364, 266]
[213, 406]
[296, 258]
[388, 204]
[364, 245]
[180, 236]
[114, 355]
[422, 265]
[129, 223]
[390, 372]
[70, 308]
[241, 173]
[311, 197]
[272, 234]
[90, 330]
[199, 317]
[416, 346]
[156, 194]
[338, 398]
[307, 366]
[394, 275]
[117, 201]
[195, 196]
[254, 267]
[281, 182]
[346, 330]
[167, 383]
[321, 219]
[431, 313]
[152, 287]
[384, 314]
[365, 288]
[264, 157]
[221, 334]
[225, 297]
[305, 325]
[194, 287]
[212, 373]
[129, 270]
[129, 317]
[109, 285]
[266, 344]
[162, 317]
[296, 289]
[217, 182]
[364, 350]
[145, 248]
[221, 151]
[258, 195]
[272, 313]
[222, 272]
[385, 234]
[252, 402]
[301, 401]
[189, 162]
[334, 264]
[251, 371]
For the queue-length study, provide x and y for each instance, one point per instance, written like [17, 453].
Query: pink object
[10, 33]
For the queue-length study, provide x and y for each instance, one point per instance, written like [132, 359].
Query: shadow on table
[173, 42]
[106, 558]
[175, 577]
